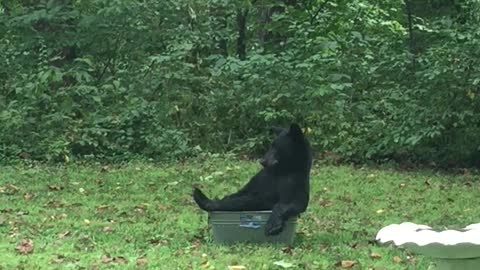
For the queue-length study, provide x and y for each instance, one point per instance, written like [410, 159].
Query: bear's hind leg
[235, 202]
[244, 202]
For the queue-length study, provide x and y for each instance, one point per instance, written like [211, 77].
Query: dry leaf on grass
[29, 196]
[118, 260]
[9, 189]
[412, 261]
[108, 229]
[284, 264]
[105, 168]
[58, 259]
[325, 203]
[348, 264]
[206, 265]
[397, 259]
[54, 188]
[64, 234]
[237, 267]
[374, 255]
[25, 247]
[142, 261]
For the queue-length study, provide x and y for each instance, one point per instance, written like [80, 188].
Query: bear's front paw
[274, 226]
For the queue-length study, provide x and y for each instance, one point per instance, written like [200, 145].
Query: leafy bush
[116, 80]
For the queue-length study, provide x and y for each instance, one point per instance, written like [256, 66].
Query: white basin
[450, 249]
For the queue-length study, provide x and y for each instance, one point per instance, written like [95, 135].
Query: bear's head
[290, 149]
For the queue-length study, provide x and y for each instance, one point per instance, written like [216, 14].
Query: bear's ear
[277, 130]
[295, 131]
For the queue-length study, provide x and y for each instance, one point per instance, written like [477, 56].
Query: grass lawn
[143, 216]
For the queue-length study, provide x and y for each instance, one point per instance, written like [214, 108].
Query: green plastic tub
[247, 226]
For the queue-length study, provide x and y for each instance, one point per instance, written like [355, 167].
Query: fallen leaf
[284, 264]
[205, 264]
[397, 259]
[196, 244]
[158, 242]
[28, 196]
[21, 213]
[25, 247]
[6, 210]
[354, 245]
[142, 261]
[287, 250]
[102, 208]
[348, 264]
[237, 267]
[58, 259]
[54, 204]
[143, 206]
[9, 189]
[120, 260]
[325, 203]
[64, 234]
[106, 260]
[374, 255]
[107, 229]
[162, 207]
[54, 188]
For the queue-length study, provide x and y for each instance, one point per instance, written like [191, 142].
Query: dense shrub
[169, 79]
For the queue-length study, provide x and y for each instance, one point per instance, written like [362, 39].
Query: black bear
[281, 186]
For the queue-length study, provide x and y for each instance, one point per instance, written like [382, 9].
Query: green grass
[83, 217]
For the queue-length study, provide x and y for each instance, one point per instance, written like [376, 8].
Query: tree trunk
[242, 33]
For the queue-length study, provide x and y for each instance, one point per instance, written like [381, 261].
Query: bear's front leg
[274, 225]
[280, 213]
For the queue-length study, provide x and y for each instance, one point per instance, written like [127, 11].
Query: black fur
[281, 186]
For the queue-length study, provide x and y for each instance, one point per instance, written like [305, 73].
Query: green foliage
[162, 79]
